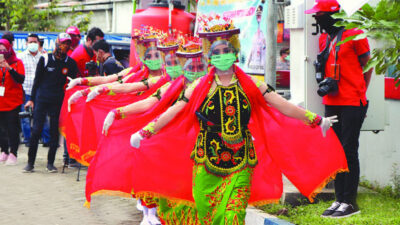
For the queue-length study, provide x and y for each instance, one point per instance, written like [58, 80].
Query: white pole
[270, 59]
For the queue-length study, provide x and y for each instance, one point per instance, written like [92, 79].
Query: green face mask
[174, 71]
[191, 76]
[153, 64]
[224, 61]
[287, 58]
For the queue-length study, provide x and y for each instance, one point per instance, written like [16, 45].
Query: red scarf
[162, 166]
[12, 58]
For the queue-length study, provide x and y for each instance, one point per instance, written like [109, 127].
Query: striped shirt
[30, 63]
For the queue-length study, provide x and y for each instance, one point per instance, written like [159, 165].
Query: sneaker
[345, 210]
[329, 211]
[3, 157]
[51, 169]
[28, 168]
[12, 160]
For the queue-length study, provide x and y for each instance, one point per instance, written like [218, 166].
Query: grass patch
[375, 209]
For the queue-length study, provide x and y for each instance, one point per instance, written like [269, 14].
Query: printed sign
[250, 16]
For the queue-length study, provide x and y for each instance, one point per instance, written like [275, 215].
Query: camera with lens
[327, 83]
[92, 68]
[26, 114]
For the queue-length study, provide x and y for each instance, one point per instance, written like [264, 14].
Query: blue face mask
[33, 47]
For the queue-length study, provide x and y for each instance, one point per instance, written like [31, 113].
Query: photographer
[47, 97]
[108, 64]
[84, 53]
[343, 86]
[12, 75]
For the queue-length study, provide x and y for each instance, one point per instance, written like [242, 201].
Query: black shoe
[329, 211]
[46, 144]
[51, 169]
[345, 210]
[28, 168]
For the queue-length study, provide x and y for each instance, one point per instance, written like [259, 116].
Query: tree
[381, 23]
[21, 15]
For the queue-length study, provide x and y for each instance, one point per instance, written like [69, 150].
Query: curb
[257, 217]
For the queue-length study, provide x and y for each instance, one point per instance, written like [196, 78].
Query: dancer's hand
[74, 82]
[326, 123]
[135, 140]
[93, 94]
[74, 98]
[108, 122]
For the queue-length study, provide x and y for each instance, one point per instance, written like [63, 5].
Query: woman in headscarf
[12, 75]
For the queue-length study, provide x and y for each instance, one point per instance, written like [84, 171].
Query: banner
[250, 16]
[50, 39]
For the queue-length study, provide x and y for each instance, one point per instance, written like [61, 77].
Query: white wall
[378, 152]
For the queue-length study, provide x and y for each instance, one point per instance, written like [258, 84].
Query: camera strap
[337, 47]
[3, 72]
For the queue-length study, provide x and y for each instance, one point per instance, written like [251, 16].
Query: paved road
[41, 198]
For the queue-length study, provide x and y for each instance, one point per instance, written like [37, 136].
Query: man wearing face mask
[84, 53]
[108, 64]
[75, 38]
[47, 97]
[283, 62]
[30, 57]
[344, 68]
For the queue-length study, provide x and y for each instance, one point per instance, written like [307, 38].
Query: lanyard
[4, 76]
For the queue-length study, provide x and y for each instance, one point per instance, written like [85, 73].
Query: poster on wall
[248, 15]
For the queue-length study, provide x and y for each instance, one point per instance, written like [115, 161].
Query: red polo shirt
[13, 94]
[81, 57]
[352, 86]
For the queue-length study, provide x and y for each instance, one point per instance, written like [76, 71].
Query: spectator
[30, 57]
[283, 62]
[47, 97]
[344, 97]
[12, 76]
[84, 53]
[9, 37]
[108, 64]
[75, 38]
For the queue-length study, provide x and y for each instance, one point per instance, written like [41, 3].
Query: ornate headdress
[168, 43]
[213, 27]
[147, 38]
[190, 47]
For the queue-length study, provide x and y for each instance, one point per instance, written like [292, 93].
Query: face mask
[153, 64]
[224, 61]
[74, 42]
[174, 71]
[33, 47]
[6, 54]
[191, 76]
[287, 58]
[326, 22]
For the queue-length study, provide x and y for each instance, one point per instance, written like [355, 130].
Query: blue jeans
[26, 126]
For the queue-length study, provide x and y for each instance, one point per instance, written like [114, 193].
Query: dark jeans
[347, 130]
[9, 123]
[26, 126]
[41, 109]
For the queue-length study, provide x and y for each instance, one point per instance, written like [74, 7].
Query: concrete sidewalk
[42, 198]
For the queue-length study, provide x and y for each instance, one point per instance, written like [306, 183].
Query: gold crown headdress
[190, 47]
[147, 38]
[213, 27]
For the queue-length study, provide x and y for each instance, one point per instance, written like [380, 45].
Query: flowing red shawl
[162, 165]
[95, 112]
[111, 168]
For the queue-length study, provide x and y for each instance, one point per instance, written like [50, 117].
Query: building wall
[380, 152]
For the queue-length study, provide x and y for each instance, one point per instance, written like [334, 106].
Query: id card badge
[2, 90]
[335, 71]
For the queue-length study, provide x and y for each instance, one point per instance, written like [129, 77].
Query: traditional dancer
[218, 118]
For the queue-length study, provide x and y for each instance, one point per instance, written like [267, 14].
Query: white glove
[74, 82]
[326, 123]
[93, 94]
[108, 122]
[74, 98]
[135, 140]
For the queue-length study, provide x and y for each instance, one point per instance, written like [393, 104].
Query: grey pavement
[43, 198]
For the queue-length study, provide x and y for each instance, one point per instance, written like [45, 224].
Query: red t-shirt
[352, 86]
[13, 94]
[81, 57]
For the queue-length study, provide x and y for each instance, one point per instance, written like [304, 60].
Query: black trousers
[347, 130]
[9, 130]
[41, 109]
